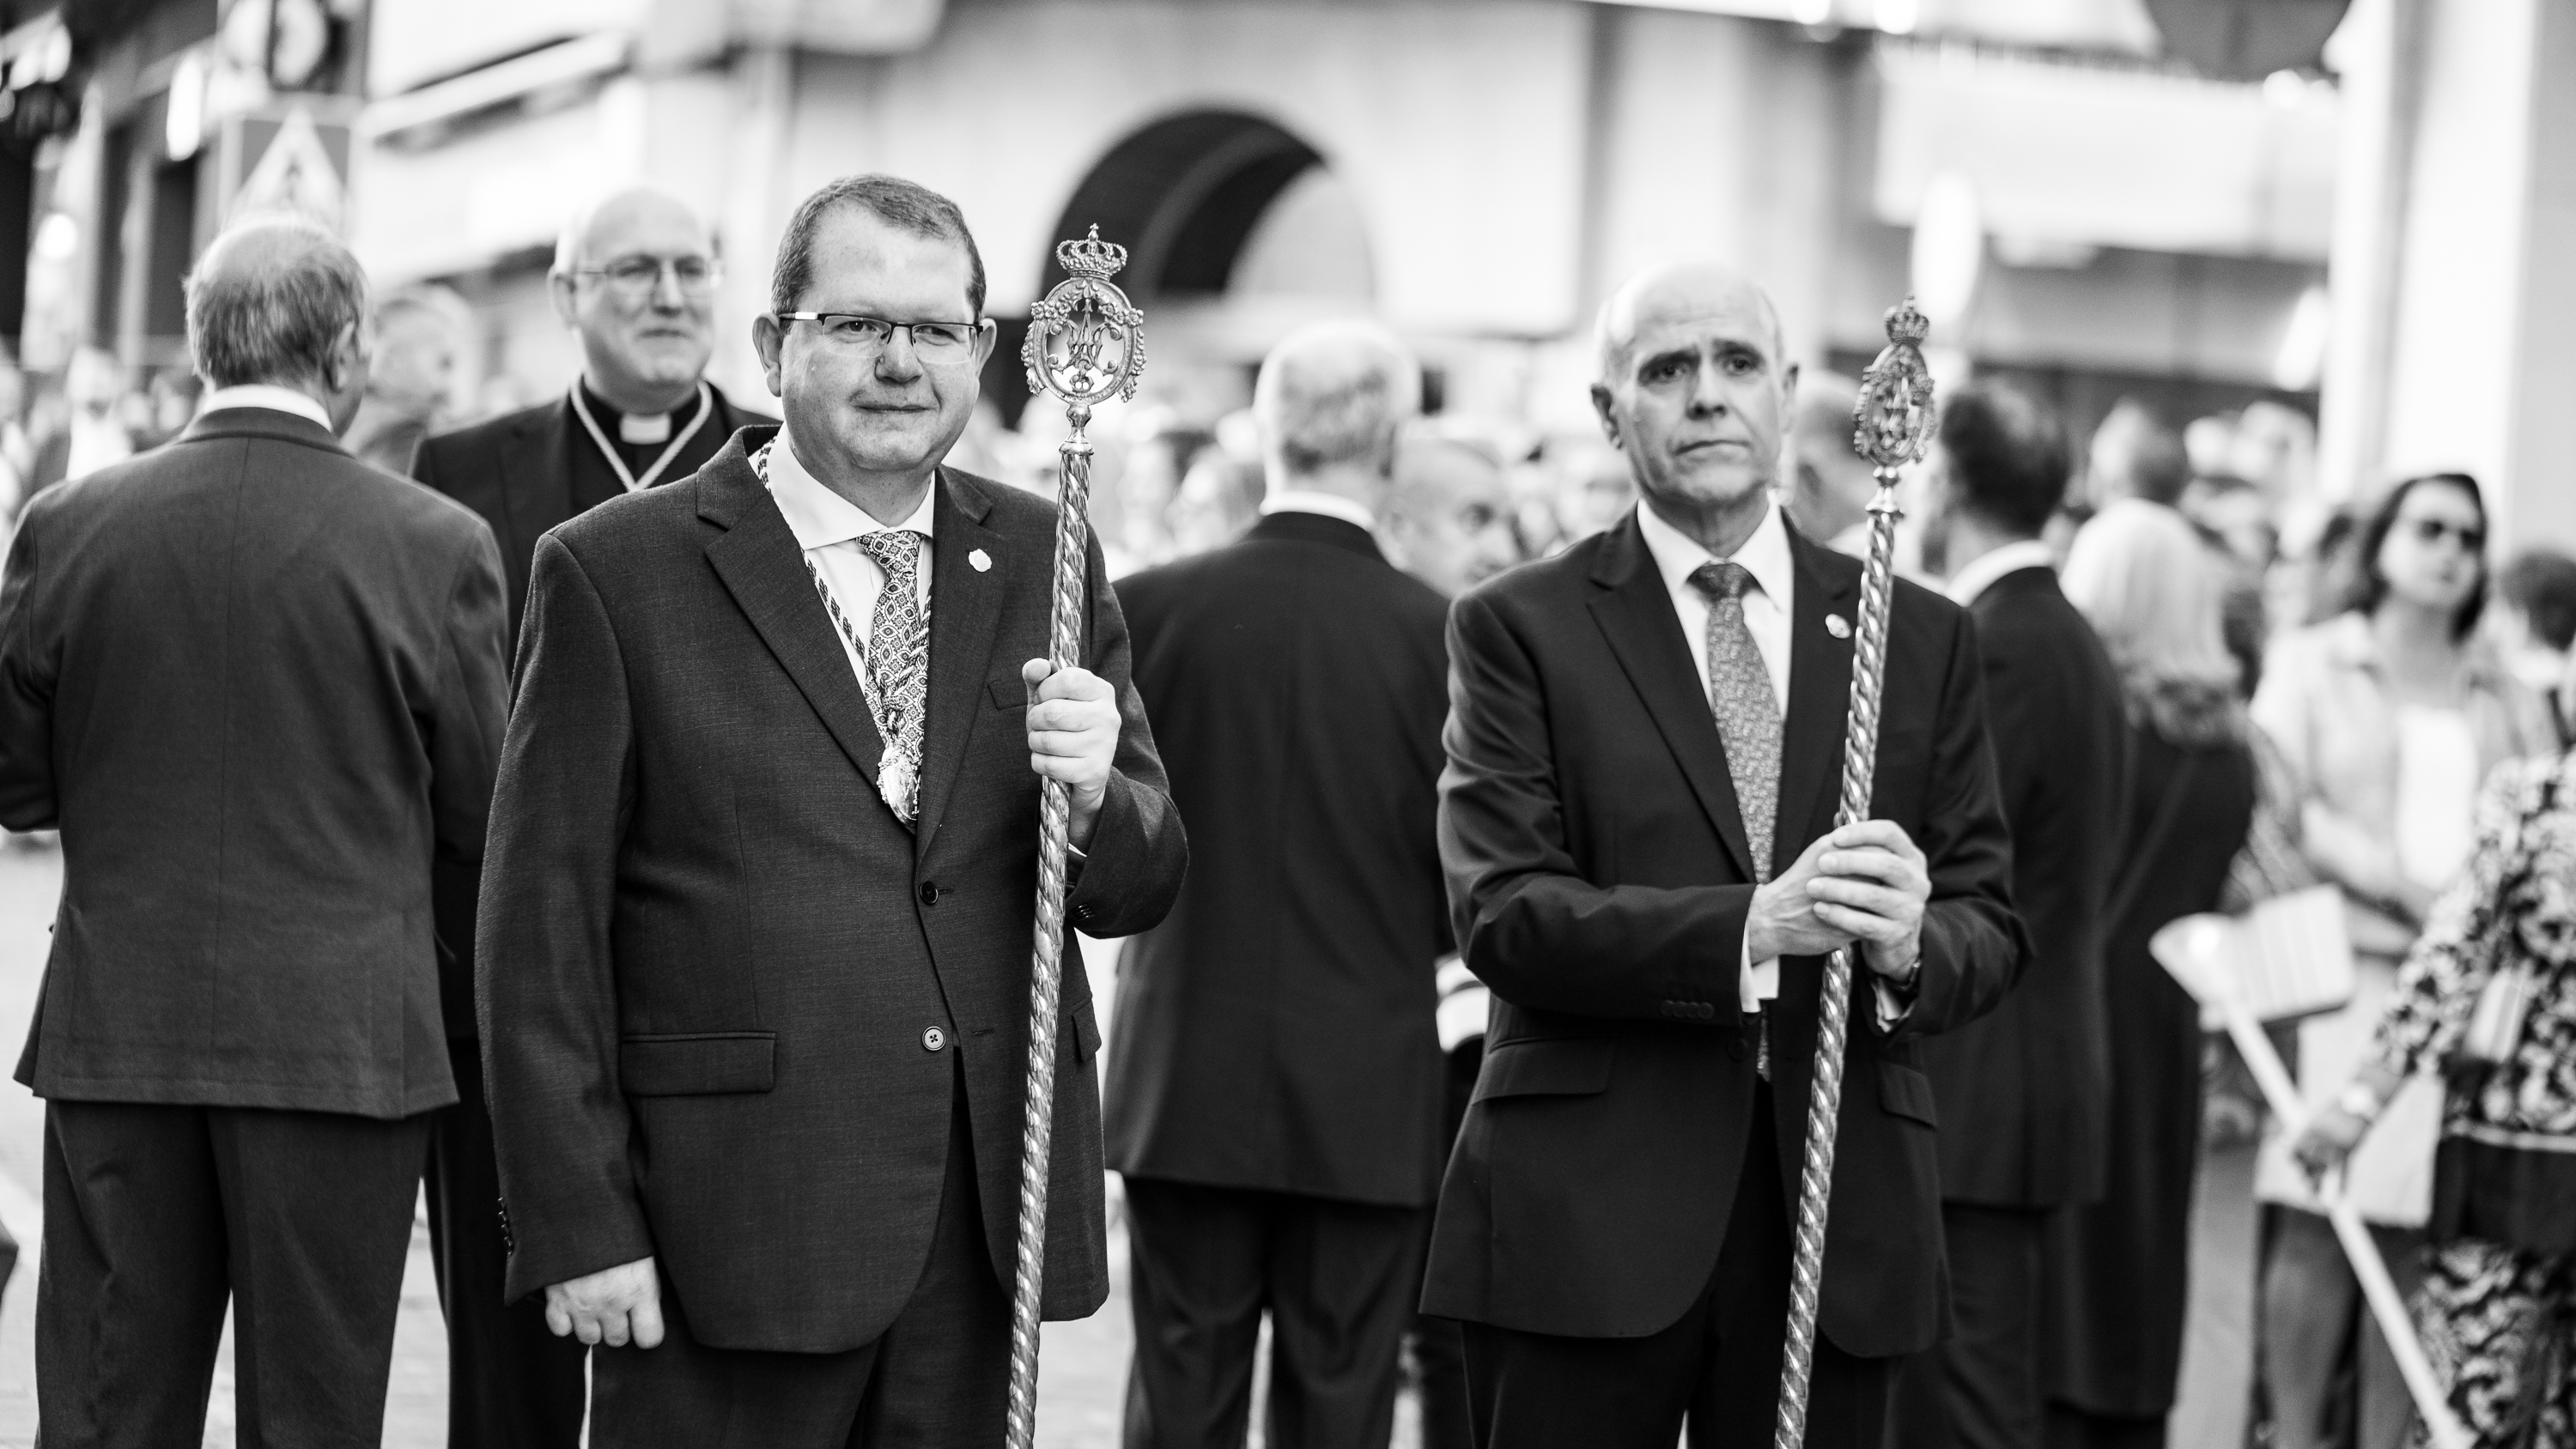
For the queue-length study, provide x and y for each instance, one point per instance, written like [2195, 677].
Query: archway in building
[1213, 206]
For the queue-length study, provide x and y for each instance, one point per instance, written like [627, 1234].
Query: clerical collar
[638, 431]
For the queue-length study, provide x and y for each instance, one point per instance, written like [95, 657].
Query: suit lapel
[1820, 665]
[1636, 617]
[536, 477]
[965, 619]
[759, 561]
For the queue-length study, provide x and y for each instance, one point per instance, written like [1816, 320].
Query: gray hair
[275, 323]
[904, 205]
[1336, 392]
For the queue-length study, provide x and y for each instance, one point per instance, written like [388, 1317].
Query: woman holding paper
[2488, 999]
[2388, 715]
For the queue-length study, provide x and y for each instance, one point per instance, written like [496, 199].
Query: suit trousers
[940, 1375]
[511, 1384]
[1718, 1365]
[1980, 1389]
[156, 1216]
[1339, 1279]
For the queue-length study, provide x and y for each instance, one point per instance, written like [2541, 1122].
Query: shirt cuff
[1892, 1008]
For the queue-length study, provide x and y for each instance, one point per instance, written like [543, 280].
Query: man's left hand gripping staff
[1073, 736]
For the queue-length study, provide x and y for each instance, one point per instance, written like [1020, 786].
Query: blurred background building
[2346, 208]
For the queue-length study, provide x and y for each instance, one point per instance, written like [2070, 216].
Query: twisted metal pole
[1892, 422]
[1084, 346]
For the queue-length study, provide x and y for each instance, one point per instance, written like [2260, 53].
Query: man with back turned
[1274, 1085]
[1644, 742]
[2024, 1093]
[258, 686]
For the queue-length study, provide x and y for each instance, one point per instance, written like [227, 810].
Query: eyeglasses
[637, 278]
[2433, 530]
[932, 341]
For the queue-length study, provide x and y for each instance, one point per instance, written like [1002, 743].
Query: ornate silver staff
[1086, 345]
[1892, 422]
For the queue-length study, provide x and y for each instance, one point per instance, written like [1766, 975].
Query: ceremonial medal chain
[892, 770]
[652, 475]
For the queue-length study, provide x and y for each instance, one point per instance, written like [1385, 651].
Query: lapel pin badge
[1838, 626]
[981, 560]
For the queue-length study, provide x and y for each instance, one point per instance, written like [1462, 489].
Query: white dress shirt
[1982, 572]
[264, 395]
[1765, 556]
[1309, 500]
[828, 527]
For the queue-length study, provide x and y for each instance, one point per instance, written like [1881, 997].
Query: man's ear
[987, 337]
[348, 359]
[769, 339]
[559, 292]
[1789, 392]
[1609, 419]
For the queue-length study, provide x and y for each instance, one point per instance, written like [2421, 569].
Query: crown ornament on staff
[1086, 343]
[1892, 424]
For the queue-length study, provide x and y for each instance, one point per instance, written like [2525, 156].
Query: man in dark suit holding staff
[754, 953]
[1644, 748]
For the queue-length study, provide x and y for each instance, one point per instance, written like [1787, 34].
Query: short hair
[2383, 519]
[2008, 455]
[275, 324]
[2542, 584]
[904, 205]
[1335, 392]
[2159, 465]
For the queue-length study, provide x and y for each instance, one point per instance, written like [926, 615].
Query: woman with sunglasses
[2389, 715]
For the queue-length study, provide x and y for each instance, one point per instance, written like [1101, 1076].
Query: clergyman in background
[257, 685]
[1274, 1083]
[634, 278]
[2023, 1092]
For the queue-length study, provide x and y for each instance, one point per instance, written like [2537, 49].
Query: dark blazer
[709, 957]
[2025, 1091]
[516, 472]
[257, 684]
[1600, 878]
[1276, 1031]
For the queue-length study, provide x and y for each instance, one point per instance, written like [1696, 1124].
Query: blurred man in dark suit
[634, 278]
[257, 685]
[754, 949]
[1644, 748]
[1274, 1080]
[2024, 1092]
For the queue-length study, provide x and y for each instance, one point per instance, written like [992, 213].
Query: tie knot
[1726, 580]
[896, 550]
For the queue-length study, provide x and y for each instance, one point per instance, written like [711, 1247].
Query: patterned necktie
[898, 665]
[1748, 713]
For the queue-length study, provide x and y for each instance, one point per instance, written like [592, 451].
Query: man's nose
[667, 296]
[1708, 394]
[896, 361]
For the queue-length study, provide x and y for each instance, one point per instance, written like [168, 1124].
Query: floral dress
[2498, 1307]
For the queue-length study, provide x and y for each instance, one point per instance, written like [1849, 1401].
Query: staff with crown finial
[1085, 346]
[1638, 826]
[1892, 424]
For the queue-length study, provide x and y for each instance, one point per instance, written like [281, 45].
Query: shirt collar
[1331, 505]
[820, 517]
[1989, 568]
[1765, 554]
[265, 395]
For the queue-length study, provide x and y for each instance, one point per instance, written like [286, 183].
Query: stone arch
[1183, 194]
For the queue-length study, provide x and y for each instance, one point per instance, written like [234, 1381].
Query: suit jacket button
[1735, 1047]
[933, 1039]
[929, 893]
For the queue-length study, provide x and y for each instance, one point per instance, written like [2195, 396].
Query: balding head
[1330, 401]
[1833, 482]
[1677, 289]
[280, 302]
[1695, 389]
[1449, 517]
[634, 276]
